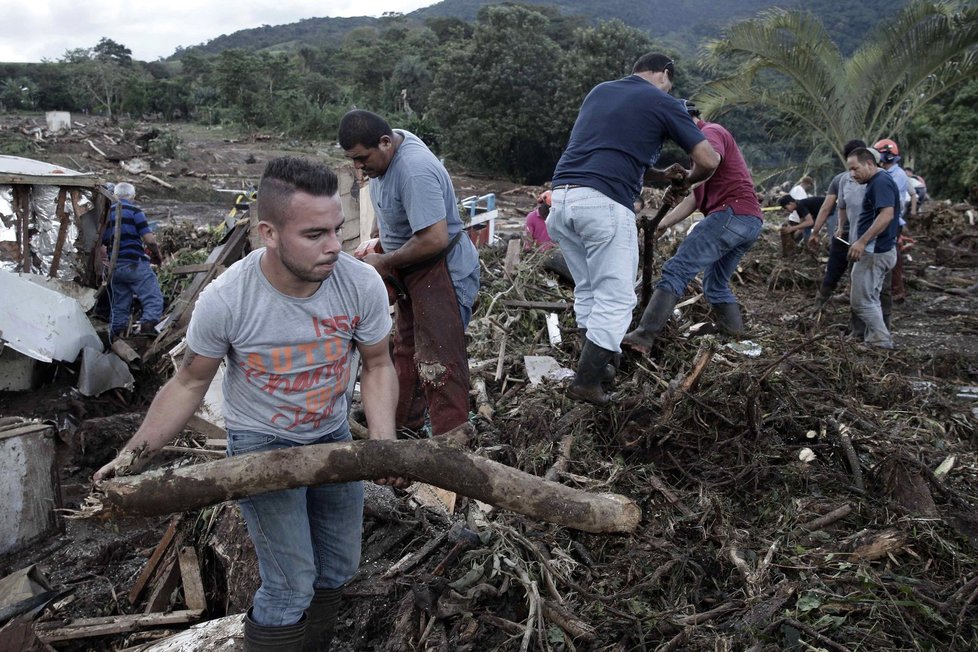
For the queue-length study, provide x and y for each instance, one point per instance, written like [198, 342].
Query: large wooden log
[431, 461]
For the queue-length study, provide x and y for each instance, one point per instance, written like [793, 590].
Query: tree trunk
[431, 461]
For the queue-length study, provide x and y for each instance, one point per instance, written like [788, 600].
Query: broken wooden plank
[193, 585]
[168, 186]
[154, 560]
[62, 231]
[183, 270]
[513, 251]
[168, 579]
[54, 631]
[70, 180]
[542, 305]
[434, 461]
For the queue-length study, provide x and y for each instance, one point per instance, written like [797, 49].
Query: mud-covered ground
[730, 553]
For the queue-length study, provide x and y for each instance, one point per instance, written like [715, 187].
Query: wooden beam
[190, 269]
[193, 585]
[69, 180]
[62, 231]
[167, 581]
[22, 207]
[154, 560]
[543, 305]
[54, 631]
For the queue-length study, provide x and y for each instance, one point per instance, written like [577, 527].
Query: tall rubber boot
[259, 638]
[590, 372]
[321, 619]
[612, 369]
[654, 319]
[728, 318]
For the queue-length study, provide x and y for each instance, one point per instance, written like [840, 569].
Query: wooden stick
[54, 631]
[823, 522]
[513, 249]
[62, 232]
[483, 406]
[193, 585]
[542, 305]
[433, 461]
[154, 560]
[501, 358]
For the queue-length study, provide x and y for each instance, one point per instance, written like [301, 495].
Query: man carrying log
[286, 318]
[733, 223]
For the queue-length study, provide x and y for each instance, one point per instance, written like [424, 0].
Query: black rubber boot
[654, 319]
[259, 638]
[590, 373]
[321, 618]
[728, 319]
[612, 368]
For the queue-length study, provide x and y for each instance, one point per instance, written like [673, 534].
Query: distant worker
[537, 236]
[872, 244]
[890, 161]
[837, 233]
[805, 211]
[617, 137]
[429, 254]
[132, 273]
[732, 224]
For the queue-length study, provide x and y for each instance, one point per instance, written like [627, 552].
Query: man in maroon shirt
[733, 223]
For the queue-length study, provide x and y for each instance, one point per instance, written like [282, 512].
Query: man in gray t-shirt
[285, 319]
[428, 256]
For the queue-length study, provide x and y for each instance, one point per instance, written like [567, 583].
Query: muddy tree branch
[430, 461]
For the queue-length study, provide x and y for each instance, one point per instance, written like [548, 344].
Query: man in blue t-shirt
[132, 274]
[617, 138]
[873, 249]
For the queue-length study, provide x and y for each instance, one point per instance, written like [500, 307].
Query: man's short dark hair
[863, 155]
[785, 200]
[286, 175]
[852, 146]
[359, 127]
[655, 62]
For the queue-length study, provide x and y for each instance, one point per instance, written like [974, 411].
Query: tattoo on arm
[188, 359]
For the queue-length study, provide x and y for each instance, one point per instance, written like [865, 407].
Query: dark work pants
[836, 267]
[429, 352]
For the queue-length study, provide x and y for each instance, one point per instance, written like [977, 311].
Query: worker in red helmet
[890, 161]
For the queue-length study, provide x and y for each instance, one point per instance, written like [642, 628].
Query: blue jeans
[715, 247]
[305, 539]
[134, 277]
[599, 240]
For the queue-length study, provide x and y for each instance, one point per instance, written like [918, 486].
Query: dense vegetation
[497, 95]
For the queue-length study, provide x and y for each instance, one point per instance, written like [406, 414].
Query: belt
[567, 186]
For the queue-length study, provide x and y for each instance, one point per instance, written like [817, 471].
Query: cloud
[47, 28]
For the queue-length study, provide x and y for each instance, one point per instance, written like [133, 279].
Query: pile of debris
[796, 490]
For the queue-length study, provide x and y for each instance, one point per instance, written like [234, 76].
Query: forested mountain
[681, 24]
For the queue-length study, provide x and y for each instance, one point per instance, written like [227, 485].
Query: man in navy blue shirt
[874, 247]
[616, 140]
[132, 274]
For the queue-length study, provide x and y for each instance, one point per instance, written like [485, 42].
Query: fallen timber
[432, 461]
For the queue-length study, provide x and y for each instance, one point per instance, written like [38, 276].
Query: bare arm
[883, 219]
[705, 162]
[173, 406]
[682, 210]
[378, 389]
[843, 222]
[424, 244]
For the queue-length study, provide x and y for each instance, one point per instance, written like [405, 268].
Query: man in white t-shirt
[286, 319]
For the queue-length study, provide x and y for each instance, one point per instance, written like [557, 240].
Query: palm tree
[787, 62]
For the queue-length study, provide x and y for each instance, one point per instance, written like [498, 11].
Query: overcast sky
[43, 29]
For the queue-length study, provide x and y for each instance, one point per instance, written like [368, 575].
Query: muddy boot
[590, 373]
[321, 618]
[612, 368]
[654, 319]
[728, 319]
[259, 638]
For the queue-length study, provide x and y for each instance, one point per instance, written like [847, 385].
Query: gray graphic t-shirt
[288, 358]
